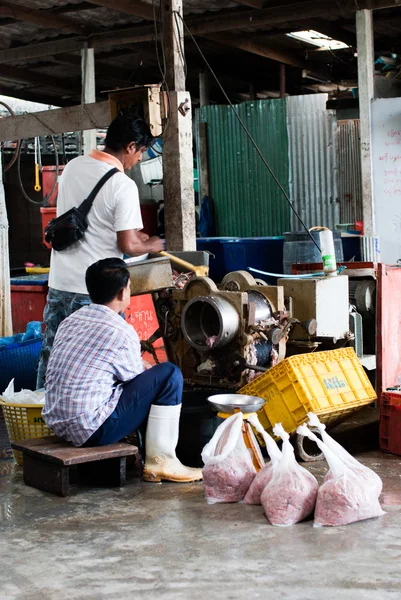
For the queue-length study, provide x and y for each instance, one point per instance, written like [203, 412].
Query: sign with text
[386, 157]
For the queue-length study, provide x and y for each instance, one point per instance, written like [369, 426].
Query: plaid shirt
[95, 351]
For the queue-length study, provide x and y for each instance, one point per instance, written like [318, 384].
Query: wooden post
[6, 326]
[282, 80]
[178, 178]
[88, 93]
[364, 35]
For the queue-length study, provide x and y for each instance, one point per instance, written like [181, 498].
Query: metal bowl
[227, 403]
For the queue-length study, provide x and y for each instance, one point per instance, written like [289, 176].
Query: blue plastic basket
[20, 361]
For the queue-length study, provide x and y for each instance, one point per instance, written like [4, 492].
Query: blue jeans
[161, 385]
[59, 306]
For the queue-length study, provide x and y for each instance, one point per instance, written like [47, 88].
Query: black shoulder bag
[70, 227]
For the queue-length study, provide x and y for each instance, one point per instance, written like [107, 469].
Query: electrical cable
[18, 146]
[184, 62]
[244, 127]
[21, 185]
[162, 69]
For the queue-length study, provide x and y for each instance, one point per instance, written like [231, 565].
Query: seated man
[98, 388]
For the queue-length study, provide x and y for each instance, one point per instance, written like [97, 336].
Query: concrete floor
[153, 541]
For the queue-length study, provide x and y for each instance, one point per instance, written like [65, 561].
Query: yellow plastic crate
[23, 422]
[331, 384]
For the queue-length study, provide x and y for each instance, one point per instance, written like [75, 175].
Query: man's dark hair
[105, 279]
[124, 130]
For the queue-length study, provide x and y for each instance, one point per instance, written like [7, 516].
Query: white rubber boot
[161, 440]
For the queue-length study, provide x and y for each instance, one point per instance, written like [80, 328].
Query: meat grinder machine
[223, 336]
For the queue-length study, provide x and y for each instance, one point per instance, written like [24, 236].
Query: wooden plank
[41, 18]
[63, 453]
[59, 120]
[46, 476]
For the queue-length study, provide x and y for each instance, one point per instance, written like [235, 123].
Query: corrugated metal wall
[313, 161]
[349, 170]
[247, 201]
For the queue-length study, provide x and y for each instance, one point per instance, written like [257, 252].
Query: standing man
[114, 222]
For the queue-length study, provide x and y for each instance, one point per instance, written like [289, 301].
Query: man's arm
[135, 243]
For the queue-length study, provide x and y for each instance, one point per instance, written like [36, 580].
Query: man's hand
[157, 244]
[135, 243]
[146, 365]
[144, 236]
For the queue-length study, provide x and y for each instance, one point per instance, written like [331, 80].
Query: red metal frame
[388, 331]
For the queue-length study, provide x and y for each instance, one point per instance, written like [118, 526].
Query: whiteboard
[386, 158]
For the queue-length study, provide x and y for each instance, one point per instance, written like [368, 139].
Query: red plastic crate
[27, 304]
[390, 422]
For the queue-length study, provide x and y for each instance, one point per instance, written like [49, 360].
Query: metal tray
[227, 403]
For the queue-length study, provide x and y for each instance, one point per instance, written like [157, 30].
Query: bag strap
[86, 205]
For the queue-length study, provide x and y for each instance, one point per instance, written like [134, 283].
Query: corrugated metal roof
[349, 171]
[18, 34]
[247, 201]
[313, 161]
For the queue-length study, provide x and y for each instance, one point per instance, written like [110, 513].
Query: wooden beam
[32, 94]
[59, 120]
[118, 37]
[41, 18]
[248, 45]
[58, 10]
[129, 7]
[71, 8]
[115, 76]
[27, 76]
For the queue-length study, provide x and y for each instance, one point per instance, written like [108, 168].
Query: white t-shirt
[115, 208]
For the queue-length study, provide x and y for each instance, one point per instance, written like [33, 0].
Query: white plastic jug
[327, 250]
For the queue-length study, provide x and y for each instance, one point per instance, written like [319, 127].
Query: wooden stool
[48, 461]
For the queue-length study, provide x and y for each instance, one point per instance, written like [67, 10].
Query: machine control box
[324, 299]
